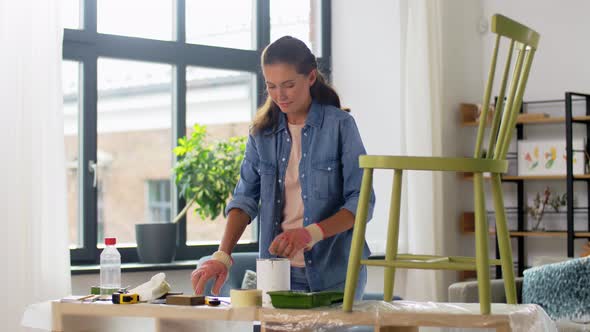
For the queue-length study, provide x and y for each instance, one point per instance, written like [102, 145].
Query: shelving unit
[508, 178]
[536, 121]
[569, 121]
[468, 223]
[521, 234]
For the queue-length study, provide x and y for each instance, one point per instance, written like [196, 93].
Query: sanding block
[185, 300]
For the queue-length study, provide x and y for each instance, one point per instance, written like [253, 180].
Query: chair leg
[481, 245]
[358, 240]
[503, 240]
[392, 236]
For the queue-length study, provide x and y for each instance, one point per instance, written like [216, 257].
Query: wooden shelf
[561, 234]
[467, 226]
[534, 177]
[547, 234]
[469, 176]
[467, 222]
[469, 114]
[585, 118]
[550, 120]
[467, 275]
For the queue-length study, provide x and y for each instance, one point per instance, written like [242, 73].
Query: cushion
[249, 281]
[562, 289]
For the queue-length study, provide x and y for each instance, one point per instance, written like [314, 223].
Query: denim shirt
[330, 180]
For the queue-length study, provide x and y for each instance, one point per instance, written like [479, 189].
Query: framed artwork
[548, 157]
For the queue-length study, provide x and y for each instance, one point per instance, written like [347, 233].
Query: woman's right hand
[208, 270]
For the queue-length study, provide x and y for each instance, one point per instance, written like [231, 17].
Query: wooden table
[300, 320]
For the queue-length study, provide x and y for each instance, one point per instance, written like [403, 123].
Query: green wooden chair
[523, 42]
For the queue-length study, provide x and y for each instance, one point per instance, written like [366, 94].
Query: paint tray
[304, 300]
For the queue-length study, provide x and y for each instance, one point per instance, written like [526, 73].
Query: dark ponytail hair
[292, 51]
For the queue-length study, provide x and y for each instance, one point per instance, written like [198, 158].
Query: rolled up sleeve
[246, 195]
[352, 173]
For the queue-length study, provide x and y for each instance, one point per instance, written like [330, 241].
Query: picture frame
[548, 157]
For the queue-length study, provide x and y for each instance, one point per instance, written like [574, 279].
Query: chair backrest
[523, 42]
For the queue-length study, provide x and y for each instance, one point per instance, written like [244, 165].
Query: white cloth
[422, 215]
[35, 254]
[152, 289]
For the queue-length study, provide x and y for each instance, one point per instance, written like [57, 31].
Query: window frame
[86, 45]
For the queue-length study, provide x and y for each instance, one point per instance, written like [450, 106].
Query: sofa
[467, 292]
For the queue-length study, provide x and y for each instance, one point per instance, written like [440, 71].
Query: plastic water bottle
[110, 267]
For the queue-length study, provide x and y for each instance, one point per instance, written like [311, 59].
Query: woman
[301, 164]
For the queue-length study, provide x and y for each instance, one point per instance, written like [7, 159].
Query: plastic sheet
[571, 326]
[522, 318]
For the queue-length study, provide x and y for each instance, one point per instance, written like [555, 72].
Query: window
[70, 14]
[211, 23]
[219, 99]
[136, 18]
[300, 19]
[134, 140]
[158, 200]
[136, 81]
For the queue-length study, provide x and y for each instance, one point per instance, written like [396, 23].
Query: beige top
[293, 208]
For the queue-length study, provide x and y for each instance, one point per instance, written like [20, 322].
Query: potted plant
[205, 174]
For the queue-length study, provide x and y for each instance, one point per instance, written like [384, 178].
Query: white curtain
[421, 136]
[34, 245]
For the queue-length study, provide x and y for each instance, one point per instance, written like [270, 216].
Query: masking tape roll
[243, 298]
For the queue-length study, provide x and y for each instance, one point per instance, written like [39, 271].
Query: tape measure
[120, 298]
[212, 301]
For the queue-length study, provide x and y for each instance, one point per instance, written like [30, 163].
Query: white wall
[561, 62]
[366, 67]
[462, 82]
[365, 64]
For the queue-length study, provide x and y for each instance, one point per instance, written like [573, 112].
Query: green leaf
[549, 163]
[207, 171]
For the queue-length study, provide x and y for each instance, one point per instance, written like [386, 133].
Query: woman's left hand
[288, 243]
